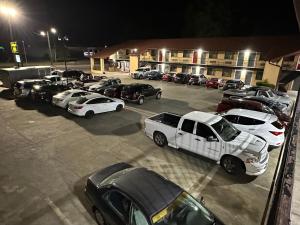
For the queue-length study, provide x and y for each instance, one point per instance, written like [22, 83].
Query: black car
[126, 195]
[154, 75]
[74, 74]
[115, 91]
[138, 92]
[233, 84]
[197, 79]
[182, 78]
[22, 89]
[45, 92]
[100, 86]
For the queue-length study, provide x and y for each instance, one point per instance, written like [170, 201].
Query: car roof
[202, 117]
[252, 114]
[147, 188]
[49, 76]
[242, 100]
[94, 95]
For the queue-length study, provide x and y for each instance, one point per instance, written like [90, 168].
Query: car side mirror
[211, 139]
[201, 199]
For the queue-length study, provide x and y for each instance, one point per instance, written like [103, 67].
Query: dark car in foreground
[233, 84]
[124, 195]
[182, 78]
[215, 83]
[45, 92]
[139, 92]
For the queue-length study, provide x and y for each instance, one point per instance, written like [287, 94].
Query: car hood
[95, 86]
[245, 141]
[285, 100]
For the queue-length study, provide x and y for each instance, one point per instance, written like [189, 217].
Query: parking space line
[58, 212]
[197, 188]
[141, 111]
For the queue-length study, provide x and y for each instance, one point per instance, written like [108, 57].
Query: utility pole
[24, 51]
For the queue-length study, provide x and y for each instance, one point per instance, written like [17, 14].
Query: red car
[215, 83]
[168, 76]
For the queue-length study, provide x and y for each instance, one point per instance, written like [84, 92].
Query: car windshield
[226, 130]
[65, 93]
[270, 93]
[185, 210]
[81, 100]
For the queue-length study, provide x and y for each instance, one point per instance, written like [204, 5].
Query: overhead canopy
[272, 47]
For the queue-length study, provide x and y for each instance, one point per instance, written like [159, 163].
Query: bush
[265, 83]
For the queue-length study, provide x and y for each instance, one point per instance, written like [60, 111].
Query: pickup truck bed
[167, 119]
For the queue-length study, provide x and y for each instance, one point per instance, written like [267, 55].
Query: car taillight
[276, 133]
[77, 107]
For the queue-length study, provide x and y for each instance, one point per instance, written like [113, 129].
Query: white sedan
[89, 105]
[62, 99]
[263, 125]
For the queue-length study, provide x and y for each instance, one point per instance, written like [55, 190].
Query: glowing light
[9, 11]
[135, 50]
[200, 51]
[247, 52]
[243, 73]
[163, 51]
[42, 33]
[53, 30]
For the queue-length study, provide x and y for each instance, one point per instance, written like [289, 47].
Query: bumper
[60, 104]
[256, 169]
[76, 113]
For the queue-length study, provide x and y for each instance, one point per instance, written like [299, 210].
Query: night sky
[98, 22]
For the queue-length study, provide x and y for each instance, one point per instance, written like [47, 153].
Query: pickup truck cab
[213, 137]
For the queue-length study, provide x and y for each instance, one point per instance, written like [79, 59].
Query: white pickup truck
[211, 136]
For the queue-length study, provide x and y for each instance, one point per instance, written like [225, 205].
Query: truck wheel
[233, 165]
[160, 139]
[98, 216]
[141, 101]
[158, 96]
[119, 108]
[89, 114]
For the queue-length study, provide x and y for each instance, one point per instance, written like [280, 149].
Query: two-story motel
[250, 59]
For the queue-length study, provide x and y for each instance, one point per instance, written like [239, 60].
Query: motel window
[185, 69]
[153, 52]
[213, 55]
[259, 75]
[211, 71]
[173, 68]
[187, 53]
[174, 53]
[228, 55]
[226, 72]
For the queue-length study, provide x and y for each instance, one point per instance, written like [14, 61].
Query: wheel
[160, 139]
[89, 114]
[141, 101]
[233, 165]
[70, 85]
[99, 218]
[140, 77]
[158, 95]
[67, 106]
[119, 108]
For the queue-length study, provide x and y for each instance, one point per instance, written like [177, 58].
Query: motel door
[240, 59]
[248, 78]
[167, 56]
[238, 74]
[251, 61]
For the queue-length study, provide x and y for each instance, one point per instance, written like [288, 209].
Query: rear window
[277, 124]
[81, 100]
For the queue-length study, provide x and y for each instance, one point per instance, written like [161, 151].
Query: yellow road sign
[14, 47]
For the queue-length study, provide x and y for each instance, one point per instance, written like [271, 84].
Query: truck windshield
[226, 131]
[184, 210]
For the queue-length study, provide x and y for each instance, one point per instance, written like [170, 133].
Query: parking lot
[47, 154]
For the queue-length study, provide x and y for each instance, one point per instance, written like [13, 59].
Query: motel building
[251, 59]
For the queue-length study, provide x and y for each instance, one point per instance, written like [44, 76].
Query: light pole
[46, 34]
[64, 39]
[24, 51]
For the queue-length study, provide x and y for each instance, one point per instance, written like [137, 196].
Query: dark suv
[45, 92]
[138, 92]
[181, 78]
[233, 84]
[22, 88]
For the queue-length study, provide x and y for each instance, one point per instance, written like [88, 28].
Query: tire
[89, 114]
[70, 85]
[119, 108]
[158, 96]
[233, 165]
[140, 77]
[99, 217]
[160, 139]
[141, 101]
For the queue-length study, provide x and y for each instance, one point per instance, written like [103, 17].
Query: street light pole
[24, 50]
[10, 29]
[50, 51]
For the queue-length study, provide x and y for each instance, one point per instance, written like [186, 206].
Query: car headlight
[36, 87]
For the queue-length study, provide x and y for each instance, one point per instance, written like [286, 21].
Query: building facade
[249, 65]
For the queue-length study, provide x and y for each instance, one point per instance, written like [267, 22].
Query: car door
[137, 217]
[105, 105]
[92, 105]
[185, 135]
[206, 142]
[118, 207]
[151, 90]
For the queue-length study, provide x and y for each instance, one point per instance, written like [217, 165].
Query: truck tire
[233, 165]
[158, 95]
[160, 139]
[141, 101]
[89, 114]
[119, 108]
